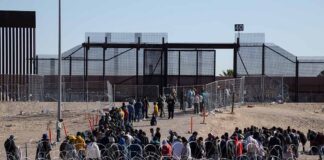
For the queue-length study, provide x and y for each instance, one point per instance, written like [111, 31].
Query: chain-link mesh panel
[91, 91]
[36, 88]
[181, 93]
[275, 90]
[47, 66]
[124, 93]
[311, 66]
[173, 62]
[14, 92]
[278, 61]
[265, 89]
[95, 64]
[220, 93]
[120, 61]
[110, 93]
[253, 89]
[153, 62]
[188, 63]
[206, 60]
[249, 61]
[250, 37]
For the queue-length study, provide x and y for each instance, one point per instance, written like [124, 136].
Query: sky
[295, 25]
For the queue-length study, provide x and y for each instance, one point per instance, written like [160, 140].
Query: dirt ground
[29, 120]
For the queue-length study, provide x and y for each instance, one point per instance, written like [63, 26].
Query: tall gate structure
[17, 49]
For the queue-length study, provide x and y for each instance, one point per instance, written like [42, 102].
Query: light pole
[59, 115]
[238, 28]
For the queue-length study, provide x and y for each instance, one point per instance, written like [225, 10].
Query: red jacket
[239, 146]
[166, 150]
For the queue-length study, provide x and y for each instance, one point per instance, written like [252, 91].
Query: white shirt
[177, 150]
[196, 100]
[93, 150]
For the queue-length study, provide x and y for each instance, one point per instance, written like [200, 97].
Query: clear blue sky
[296, 25]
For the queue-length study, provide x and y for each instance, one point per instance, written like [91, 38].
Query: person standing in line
[186, 150]
[43, 148]
[80, 145]
[155, 109]
[131, 112]
[196, 103]
[12, 151]
[160, 103]
[145, 107]
[171, 103]
[93, 152]
[138, 110]
[126, 114]
[188, 96]
[201, 107]
[204, 101]
[192, 95]
[166, 150]
[158, 134]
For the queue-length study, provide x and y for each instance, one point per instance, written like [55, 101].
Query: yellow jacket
[80, 143]
[156, 110]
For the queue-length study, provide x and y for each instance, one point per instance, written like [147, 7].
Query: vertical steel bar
[2, 61]
[197, 62]
[263, 59]
[59, 114]
[10, 65]
[179, 67]
[297, 81]
[214, 65]
[236, 50]
[23, 59]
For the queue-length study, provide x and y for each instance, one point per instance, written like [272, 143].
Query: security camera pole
[238, 28]
[59, 115]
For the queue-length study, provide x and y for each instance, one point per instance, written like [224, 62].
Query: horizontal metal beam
[166, 45]
[316, 62]
[184, 50]
[21, 19]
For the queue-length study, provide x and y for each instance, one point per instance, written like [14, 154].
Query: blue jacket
[138, 106]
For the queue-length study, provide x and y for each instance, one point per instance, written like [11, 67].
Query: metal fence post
[26, 153]
[114, 92]
[282, 89]
[243, 89]
[233, 99]
[262, 88]
[87, 85]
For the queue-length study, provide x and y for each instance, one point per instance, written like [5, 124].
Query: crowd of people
[115, 139]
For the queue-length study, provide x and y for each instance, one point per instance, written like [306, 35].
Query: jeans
[138, 116]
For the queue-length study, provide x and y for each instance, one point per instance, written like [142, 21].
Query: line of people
[112, 139]
[116, 138]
